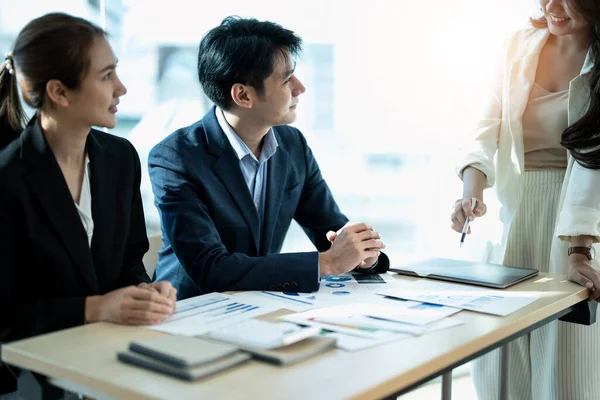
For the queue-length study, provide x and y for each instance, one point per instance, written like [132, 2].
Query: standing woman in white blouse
[546, 98]
[72, 231]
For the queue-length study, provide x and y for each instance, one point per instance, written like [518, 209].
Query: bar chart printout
[201, 314]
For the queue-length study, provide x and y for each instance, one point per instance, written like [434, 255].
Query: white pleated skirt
[557, 361]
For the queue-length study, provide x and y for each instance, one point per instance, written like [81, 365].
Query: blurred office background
[393, 86]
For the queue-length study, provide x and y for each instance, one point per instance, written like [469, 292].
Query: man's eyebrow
[289, 72]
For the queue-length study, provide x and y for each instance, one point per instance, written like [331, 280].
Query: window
[392, 88]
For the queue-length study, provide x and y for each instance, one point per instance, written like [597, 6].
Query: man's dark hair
[242, 51]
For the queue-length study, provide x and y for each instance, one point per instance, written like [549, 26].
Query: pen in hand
[467, 221]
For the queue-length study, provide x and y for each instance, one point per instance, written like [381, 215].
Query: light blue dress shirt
[253, 169]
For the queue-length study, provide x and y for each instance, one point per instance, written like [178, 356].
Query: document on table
[355, 343]
[411, 312]
[334, 290]
[201, 314]
[488, 301]
[374, 320]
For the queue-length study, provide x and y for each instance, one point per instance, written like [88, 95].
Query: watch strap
[587, 251]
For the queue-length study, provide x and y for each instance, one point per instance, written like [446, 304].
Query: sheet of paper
[201, 314]
[313, 318]
[302, 301]
[411, 312]
[369, 320]
[287, 301]
[355, 343]
[488, 301]
[405, 311]
[337, 289]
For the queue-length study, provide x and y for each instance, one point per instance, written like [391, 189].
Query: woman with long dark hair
[72, 231]
[538, 145]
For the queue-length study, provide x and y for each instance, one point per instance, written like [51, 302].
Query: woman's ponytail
[12, 115]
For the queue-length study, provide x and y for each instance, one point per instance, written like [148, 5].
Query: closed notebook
[188, 374]
[183, 351]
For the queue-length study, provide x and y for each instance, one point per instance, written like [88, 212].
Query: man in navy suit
[228, 186]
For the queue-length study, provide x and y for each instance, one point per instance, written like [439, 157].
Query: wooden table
[86, 357]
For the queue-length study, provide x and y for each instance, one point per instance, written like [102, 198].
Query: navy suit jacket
[211, 238]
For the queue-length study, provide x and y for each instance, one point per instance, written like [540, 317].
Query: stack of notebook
[183, 357]
[192, 358]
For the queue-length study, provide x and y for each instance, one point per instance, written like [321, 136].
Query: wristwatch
[589, 252]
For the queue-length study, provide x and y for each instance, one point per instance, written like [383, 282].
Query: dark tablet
[470, 272]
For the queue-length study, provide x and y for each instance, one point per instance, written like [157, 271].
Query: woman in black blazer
[72, 231]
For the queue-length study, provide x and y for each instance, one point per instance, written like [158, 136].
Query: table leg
[503, 378]
[447, 385]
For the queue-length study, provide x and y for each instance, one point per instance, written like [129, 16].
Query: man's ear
[242, 95]
[57, 92]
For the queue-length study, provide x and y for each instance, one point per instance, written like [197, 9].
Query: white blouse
[544, 120]
[84, 208]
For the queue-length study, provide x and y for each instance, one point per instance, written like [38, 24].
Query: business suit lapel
[47, 182]
[227, 169]
[578, 104]
[104, 192]
[277, 172]
[522, 78]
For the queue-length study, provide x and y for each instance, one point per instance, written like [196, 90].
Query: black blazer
[47, 267]
[211, 235]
